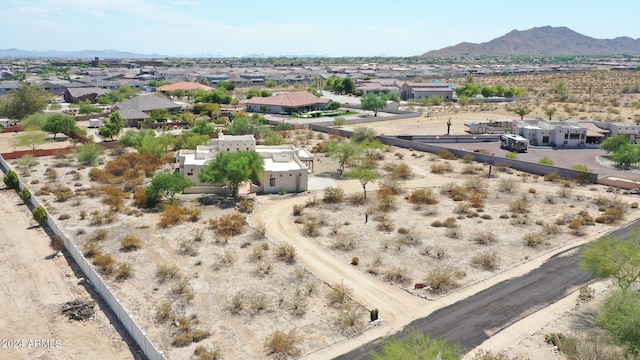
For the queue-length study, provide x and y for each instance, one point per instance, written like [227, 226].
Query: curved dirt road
[397, 308]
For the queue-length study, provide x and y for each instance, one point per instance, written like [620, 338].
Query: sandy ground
[33, 287]
[397, 305]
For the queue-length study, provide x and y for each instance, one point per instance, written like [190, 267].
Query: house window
[545, 139]
[566, 136]
[272, 182]
[574, 136]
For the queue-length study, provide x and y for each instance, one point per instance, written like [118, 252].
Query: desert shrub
[63, 193]
[236, 304]
[576, 225]
[384, 223]
[298, 209]
[447, 155]
[339, 294]
[545, 161]
[104, 263]
[171, 215]
[228, 225]
[355, 261]
[581, 167]
[486, 260]
[10, 179]
[468, 169]
[436, 223]
[203, 353]
[450, 223]
[56, 243]
[187, 247]
[181, 289]
[424, 196]
[390, 185]
[586, 292]
[397, 275]
[453, 232]
[91, 249]
[550, 229]
[534, 239]
[123, 271]
[441, 168]
[484, 238]
[443, 278]
[64, 217]
[246, 206]
[99, 235]
[511, 155]
[564, 192]
[51, 174]
[166, 272]
[519, 206]
[113, 197]
[553, 177]
[508, 185]
[333, 195]
[311, 227]
[88, 154]
[403, 231]
[130, 243]
[164, 313]
[462, 208]
[182, 339]
[517, 220]
[356, 199]
[399, 170]
[349, 319]
[344, 242]
[286, 253]
[468, 158]
[386, 200]
[283, 345]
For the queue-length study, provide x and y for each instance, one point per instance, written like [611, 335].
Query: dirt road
[31, 289]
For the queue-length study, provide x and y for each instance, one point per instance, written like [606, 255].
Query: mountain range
[83, 54]
[546, 40]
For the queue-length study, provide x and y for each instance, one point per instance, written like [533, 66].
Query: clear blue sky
[273, 27]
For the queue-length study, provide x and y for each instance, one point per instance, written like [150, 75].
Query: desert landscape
[297, 274]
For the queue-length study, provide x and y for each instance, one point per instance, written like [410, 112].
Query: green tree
[159, 115]
[189, 140]
[626, 156]
[112, 126]
[253, 92]
[561, 90]
[233, 168]
[343, 152]
[85, 107]
[245, 125]
[229, 86]
[202, 127]
[56, 124]
[88, 154]
[30, 138]
[522, 112]
[610, 257]
[170, 184]
[417, 346]
[550, 111]
[620, 316]
[373, 102]
[39, 214]
[613, 143]
[284, 126]
[34, 121]
[333, 105]
[10, 179]
[363, 134]
[365, 175]
[270, 83]
[27, 100]
[348, 86]
[178, 94]
[204, 81]
[133, 138]
[339, 121]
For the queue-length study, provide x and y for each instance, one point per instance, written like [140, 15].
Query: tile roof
[291, 99]
[76, 92]
[184, 85]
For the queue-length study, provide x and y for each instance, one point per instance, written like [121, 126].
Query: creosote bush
[246, 206]
[228, 225]
[130, 243]
[486, 260]
[424, 196]
[286, 253]
[333, 195]
[339, 295]
[283, 345]
[444, 278]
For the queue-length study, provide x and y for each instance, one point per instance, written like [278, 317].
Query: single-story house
[285, 167]
[289, 103]
[551, 133]
[138, 107]
[76, 95]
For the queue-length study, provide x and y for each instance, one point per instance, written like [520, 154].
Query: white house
[285, 167]
[551, 133]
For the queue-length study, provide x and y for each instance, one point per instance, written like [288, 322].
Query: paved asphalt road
[472, 321]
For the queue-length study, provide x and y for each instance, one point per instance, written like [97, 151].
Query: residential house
[132, 110]
[285, 167]
[551, 133]
[495, 126]
[425, 90]
[185, 86]
[287, 103]
[629, 130]
[76, 95]
[7, 87]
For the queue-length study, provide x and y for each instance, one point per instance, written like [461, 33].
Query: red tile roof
[186, 86]
[291, 99]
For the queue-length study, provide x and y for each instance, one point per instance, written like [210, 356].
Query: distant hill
[83, 54]
[546, 40]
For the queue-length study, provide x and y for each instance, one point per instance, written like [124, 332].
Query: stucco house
[551, 133]
[289, 103]
[285, 167]
[406, 90]
[76, 95]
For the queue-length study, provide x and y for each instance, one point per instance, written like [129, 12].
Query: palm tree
[521, 111]
[550, 112]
